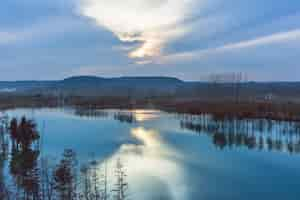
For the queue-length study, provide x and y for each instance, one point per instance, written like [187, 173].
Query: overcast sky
[188, 39]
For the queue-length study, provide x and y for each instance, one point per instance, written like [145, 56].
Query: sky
[188, 39]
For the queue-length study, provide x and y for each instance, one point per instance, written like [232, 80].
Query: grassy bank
[251, 110]
[219, 109]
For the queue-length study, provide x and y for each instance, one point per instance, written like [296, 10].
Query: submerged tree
[3, 141]
[47, 179]
[13, 131]
[23, 162]
[260, 134]
[121, 187]
[24, 169]
[85, 183]
[24, 133]
[4, 193]
[35, 178]
[27, 133]
[104, 182]
[65, 176]
[93, 182]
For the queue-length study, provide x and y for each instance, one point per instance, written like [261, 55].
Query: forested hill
[95, 86]
[153, 87]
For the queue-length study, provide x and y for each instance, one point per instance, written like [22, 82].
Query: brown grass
[220, 109]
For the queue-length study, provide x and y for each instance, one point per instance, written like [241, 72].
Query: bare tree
[121, 185]
[235, 79]
[95, 180]
[65, 176]
[4, 193]
[47, 180]
[104, 195]
[85, 192]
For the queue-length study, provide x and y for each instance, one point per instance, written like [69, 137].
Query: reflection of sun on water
[145, 115]
[151, 165]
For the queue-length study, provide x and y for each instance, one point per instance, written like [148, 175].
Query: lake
[175, 156]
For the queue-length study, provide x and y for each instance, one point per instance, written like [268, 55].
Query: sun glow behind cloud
[150, 23]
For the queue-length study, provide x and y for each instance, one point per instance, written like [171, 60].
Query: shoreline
[280, 111]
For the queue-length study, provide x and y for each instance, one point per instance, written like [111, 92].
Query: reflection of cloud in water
[147, 137]
[151, 168]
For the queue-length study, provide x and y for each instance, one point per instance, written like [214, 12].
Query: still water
[178, 157]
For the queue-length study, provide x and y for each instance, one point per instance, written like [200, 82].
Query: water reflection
[145, 115]
[154, 156]
[133, 116]
[24, 169]
[91, 113]
[124, 117]
[253, 134]
[152, 164]
[3, 155]
[3, 189]
[149, 138]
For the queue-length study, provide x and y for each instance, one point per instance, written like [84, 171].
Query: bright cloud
[151, 23]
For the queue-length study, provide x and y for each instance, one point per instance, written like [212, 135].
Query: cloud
[151, 23]
[259, 41]
[144, 62]
[91, 70]
[46, 27]
[101, 70]
[7, 37]
[274, 38]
